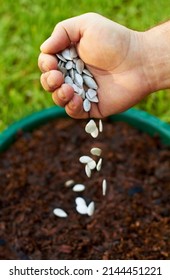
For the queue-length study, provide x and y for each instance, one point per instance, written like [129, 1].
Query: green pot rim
[136, 118]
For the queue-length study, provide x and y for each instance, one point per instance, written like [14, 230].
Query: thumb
[66, 32]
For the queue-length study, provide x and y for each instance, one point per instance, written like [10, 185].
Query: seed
[79, 66]
[96, 151]
[66, 54]
[78, 80]
[91, 93]
[85, 159]
[60, 213]
[91, 164]
[90, 82]
[90, 126]
[69, 183]
[81, 206]
[79, 188]
[73, 53]
[100, 126]
[71, 72]
[75, 87]
[61, 57]
[95, 133]
[94, 99]
[68, 80]
[86, 105]
[90, 208]
[88, 170]
[104, 187]
[69, 65]
[87, 72]
[99, 164]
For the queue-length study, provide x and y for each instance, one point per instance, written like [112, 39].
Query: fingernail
[61, 95]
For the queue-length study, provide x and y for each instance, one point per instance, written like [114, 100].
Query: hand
[114, 55]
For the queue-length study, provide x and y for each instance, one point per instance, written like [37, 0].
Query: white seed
[96, 151]
[81, 209]
[90, 126]
[78, 80]
[66, 54]
[104, 187]
[79, 188]
[99, 164]
[69, 183]
[80, 201]
[86, 105]
[76, 88]
[69, 65]
[88, 170]
[79, 66]
[91, 164]
[87, 72]
[63, 70]
[91, 93]
[61, 57]
[95, 133]
[60, 213]
[90, 208]
[90, 82]
[71, 73]
[85, 159]
[73, 53]
[100, 126]
[81, 206]
[68, 80]
[94, 99]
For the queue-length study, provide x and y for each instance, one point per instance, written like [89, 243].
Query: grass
[26, 24]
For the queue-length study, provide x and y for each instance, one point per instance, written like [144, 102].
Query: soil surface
[131, 222]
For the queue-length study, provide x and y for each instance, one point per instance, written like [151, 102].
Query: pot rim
[135, 117]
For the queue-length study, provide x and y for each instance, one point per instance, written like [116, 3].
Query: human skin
[126, 64]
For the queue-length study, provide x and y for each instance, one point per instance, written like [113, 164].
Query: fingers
[47, 62]
[65, 97]
[66, 32]
[52, 80]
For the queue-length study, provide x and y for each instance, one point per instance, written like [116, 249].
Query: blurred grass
[26, 24]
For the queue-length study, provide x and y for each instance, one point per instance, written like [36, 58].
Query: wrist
[156, 57]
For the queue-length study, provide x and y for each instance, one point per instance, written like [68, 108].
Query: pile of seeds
[78, 76]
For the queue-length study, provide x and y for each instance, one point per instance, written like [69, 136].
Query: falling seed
[99, 164]
[60, 213]
[104, 187]
[90, 126]
[69, 183]
[90, 208]
[79, 188]
[91, 164]
[88, 170]
[85, 159]
[95, 133]
[100, 126]
[96, 151]
[81, 206]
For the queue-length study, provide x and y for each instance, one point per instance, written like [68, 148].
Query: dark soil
[131, 222]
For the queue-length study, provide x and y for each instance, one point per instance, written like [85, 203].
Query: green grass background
[25, 24]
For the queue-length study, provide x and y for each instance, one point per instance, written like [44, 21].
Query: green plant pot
[136, 118]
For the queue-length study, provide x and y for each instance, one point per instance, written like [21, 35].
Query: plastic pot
[136, 118]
